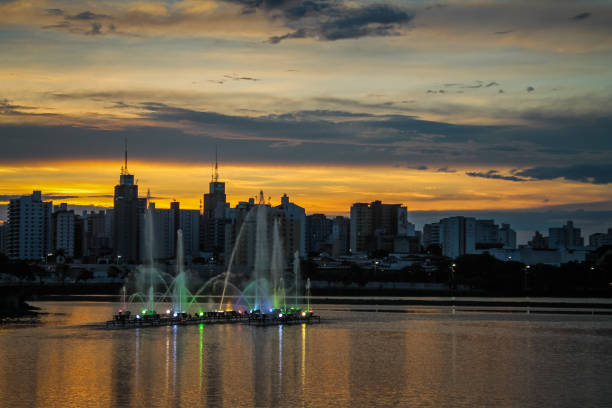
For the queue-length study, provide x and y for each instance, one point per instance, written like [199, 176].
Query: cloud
[331, 21]
[96, 29]
[55, 12]
[586, 173]
[87, 15]
[581, 16]
[490, 84]
[530, 89]
[494, 174]
[240, 78]
[446, 170]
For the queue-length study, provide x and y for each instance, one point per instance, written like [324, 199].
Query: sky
[489, 108]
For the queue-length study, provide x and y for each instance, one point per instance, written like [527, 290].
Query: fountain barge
[126, 320]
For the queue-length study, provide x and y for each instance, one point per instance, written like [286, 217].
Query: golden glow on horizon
[327, 189]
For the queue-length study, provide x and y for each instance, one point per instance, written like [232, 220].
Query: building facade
[29, 234]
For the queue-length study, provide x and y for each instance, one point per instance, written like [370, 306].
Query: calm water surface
[426, 358]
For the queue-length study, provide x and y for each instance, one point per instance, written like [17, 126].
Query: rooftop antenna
[216, 175]
[148, 197]
[125, 166]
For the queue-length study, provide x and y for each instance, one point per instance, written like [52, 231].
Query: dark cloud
[334, 20]
[490, 84]
[235, 77]
[586, 173]
[55, 12]
[339, 132]
[501, 91]
[87, 15]
[494, 174]
[530, 89]
[96, 29]
[446, 170]
[504, 32]
[581, 16]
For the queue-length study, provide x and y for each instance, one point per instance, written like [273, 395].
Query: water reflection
[359, 359]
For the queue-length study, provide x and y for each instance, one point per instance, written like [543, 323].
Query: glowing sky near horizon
[457, 105]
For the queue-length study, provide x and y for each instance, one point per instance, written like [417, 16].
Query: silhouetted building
[487, 233]
[431, 234]
[340, 236]
[565, 237]
[318, 231]
[63, 230]
[127, 211]
[189, 223]
[538, 241]
[29, 226]
[3, 237]
[375, 226]
[214, 218]
[600, 239]
[98, 234]
[507, 236]
[294, 228]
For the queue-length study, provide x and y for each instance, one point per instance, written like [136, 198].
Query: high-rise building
[431, 234]
[458, 236]
[360, 228]
[600, 239]
[98, 235]
[189, 223]
[214, 217]
[538, 241]
[487, 233]
[63, 230]
[340, 236]
[318, 231]
[2, 237]
[507, 236]
[565, 237]
[126, 217]
[375, 226]
[294, 227]
[29, 227]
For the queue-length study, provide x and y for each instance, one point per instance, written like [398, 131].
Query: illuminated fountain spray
[277, 268]
[270, 285]
[296, 277]
[308, 294]
[123, 298]
[180, 293]
[149, 267]
[262, 255]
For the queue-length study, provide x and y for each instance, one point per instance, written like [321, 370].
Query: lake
[397, 356]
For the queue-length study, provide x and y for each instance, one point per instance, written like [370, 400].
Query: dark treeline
[486, 275]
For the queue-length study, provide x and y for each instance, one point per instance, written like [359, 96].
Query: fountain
[263, 300]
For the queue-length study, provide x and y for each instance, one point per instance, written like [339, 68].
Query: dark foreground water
[427, 358]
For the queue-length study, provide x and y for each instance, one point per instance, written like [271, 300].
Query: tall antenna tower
[125, 167]
[216, 174]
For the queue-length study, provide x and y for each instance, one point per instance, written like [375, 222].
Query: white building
[295, 214]
[63, 230]
[458, 236]
[30, 233]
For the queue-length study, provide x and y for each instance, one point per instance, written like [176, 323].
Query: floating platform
[126, 320]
